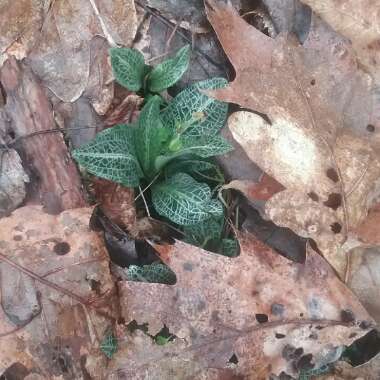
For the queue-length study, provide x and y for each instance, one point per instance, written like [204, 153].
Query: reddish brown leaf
[257, 306]
[369, 230]
[57, 293]
[117, 202]
[262, 190]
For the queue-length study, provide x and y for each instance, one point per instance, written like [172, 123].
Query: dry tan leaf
[369, 230]
[259, 306]
[12, 181]
[363, 277]
[20, 23]
[65, 56]
[304, 147]
[56, 293]
[357, 20]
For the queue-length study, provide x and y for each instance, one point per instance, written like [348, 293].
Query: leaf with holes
[150, 136]
[329, 171]
[195, 114]
[222, 308]
[170, 71]
[184, 201]
[128, 67]
[111, 155]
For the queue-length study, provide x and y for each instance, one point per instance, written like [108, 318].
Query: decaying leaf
[65, 55]
[369, 231]
[305, 146]
[117, 202]
[56, 294]
[19, 24]
[357, 20]
[363, 277]
[262, 190]
[274, 315]
[12, 181]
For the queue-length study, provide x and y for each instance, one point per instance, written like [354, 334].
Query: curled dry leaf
[56, 293]
[262, 190]
[260, 307]
[304, 147]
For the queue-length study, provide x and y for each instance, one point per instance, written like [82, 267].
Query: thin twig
[357, 182]
[144, 200]
[147, 187]
[54, 286]
[92, 260]
[157, 57]
[16, 140]
[173, 32]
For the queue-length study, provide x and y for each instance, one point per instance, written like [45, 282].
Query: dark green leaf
[170, 71]
[203, 147]
[197, 167]
[128, 67]
[229, 247]
[111, 155]
[193, 113]
[150, 136]
[109, 345]
[184, 200]
[156, 272]
[201, 233]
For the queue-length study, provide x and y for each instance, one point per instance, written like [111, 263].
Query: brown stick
[56, 183]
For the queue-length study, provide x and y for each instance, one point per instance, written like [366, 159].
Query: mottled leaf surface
[167, 73]
[128, 67]
[111, 155]
[194, 112]
[184, 200]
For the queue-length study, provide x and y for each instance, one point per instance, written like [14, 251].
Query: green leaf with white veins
[128, 67]
[193, 113]
[170, 71]
[184, 201]
[150, 136]
[196, 167]
[111, 155]
[198, 146]
[201, 233]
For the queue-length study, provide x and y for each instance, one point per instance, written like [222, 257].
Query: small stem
[147, 187]
[144, 200]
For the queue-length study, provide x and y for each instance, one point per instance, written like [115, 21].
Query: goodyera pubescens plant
[169, 147]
